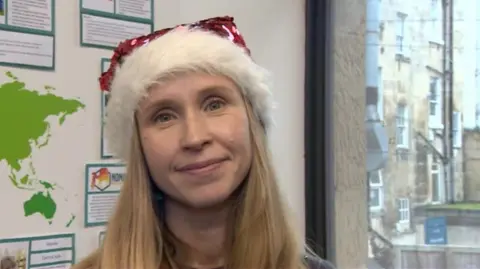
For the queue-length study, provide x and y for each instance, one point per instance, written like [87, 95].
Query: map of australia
[25, 123]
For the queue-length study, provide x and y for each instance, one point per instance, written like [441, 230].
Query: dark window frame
[319, 189]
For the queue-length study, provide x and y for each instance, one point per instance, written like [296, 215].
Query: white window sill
[376, 209]
[436, 126]
[403, 226]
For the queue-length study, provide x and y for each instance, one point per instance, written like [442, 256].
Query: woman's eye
[162, 118]
[215, 105]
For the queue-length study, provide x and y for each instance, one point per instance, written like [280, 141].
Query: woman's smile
[202, 168]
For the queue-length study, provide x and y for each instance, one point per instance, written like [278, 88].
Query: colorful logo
[103, 178]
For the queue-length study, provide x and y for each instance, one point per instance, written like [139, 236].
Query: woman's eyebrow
[152, 106]
[216, 89]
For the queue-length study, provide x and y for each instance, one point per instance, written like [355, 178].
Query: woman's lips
[203, 167]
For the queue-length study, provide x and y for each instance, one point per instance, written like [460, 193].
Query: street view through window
[423, 133]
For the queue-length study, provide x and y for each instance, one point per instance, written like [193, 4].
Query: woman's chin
[207, 200]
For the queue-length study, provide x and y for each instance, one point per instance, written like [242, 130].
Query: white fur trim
[180, 50]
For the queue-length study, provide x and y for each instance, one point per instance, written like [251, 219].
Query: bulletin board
[58, 177]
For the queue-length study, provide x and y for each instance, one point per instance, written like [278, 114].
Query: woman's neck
[200, 234]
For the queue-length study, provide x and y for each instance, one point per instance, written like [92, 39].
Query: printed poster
[27, 32]
[104, 24]
[40, 252]
[103, 182]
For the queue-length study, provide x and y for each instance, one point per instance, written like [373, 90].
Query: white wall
[274, 30]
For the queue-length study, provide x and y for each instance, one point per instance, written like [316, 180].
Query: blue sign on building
[436, 231]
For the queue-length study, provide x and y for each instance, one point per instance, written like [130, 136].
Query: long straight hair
[260, 234]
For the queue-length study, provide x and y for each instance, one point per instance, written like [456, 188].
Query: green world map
[24, 115]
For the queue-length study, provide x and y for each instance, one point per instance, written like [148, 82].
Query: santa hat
[213, 45]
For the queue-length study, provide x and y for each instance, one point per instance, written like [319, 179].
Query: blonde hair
[260, 233]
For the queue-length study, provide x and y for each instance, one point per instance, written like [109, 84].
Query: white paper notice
[99, 5]
[43, 252]
[108, 32]
[134, 8]
[103, 184]
[27, 49]
[32, 14]
[59, 256]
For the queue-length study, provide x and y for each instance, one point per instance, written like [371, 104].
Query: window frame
[402, 122]
[406, 210]
[376, 186]
[435, 162]
[457, 129]
[436, 22]
[319, 194]
[435, 121]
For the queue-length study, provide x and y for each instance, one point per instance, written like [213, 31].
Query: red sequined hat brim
[222, 26]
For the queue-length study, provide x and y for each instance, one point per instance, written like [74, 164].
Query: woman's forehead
[190, 85]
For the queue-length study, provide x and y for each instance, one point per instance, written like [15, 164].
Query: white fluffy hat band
[213, 44]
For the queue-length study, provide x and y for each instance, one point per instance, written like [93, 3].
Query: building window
[380, 93]
[403, 210]
[401, 42]
[435, 103]
[457, 129]
[436, 180]
[436, 20]
[376, 191]
[402, 126]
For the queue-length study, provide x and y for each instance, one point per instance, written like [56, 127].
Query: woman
[188, 112]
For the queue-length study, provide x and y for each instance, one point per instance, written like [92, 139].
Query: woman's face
[195, 136]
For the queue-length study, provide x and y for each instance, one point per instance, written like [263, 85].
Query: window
[401, 32]
[402, 126]
[436, 21]
[376, 191]
[437, 182]
[457, 129]
[435, 103]
[403, 210]
[380, 94]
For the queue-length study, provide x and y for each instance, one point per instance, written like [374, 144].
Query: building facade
[413, 88]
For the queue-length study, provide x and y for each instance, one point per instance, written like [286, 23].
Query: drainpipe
[449, 169]
[376, 135]
[451, 103]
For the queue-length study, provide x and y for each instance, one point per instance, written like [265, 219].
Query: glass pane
[426, 212]
[375, 178]
[432, 108]
[374, 197]
[435, 188]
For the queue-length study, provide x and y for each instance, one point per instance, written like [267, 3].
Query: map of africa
[24, 125]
